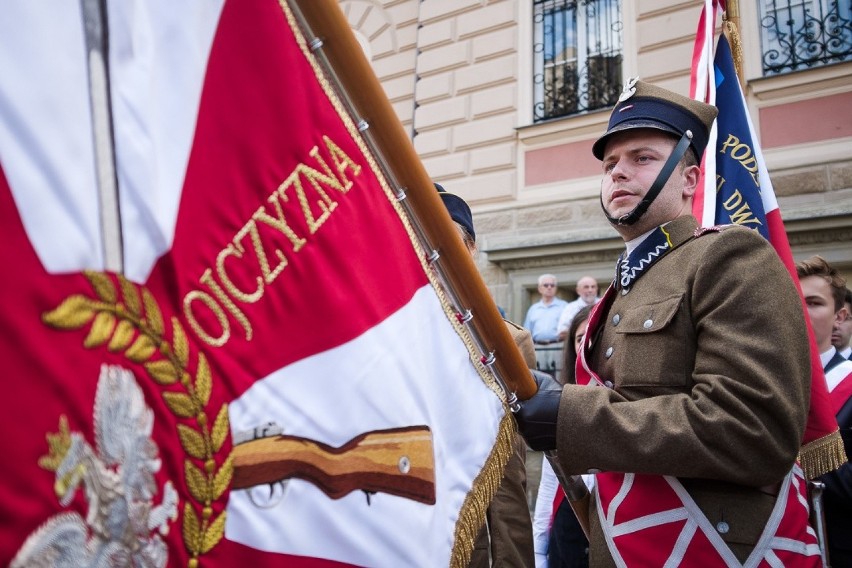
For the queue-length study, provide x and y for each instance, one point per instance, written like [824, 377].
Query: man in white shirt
[842, 333]
[587, 294]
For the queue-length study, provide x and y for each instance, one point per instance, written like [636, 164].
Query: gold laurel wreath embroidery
[116, 323]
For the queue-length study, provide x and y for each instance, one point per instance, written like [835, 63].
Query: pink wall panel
[562, 162]
[824, 118]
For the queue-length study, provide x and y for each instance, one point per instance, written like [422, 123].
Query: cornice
[588, 247]
[556, 248]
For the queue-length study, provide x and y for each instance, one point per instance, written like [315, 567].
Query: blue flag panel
[738, 197]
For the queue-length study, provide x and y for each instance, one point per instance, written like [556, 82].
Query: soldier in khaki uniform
[699, 353]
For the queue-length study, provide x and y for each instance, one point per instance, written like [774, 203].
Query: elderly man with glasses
[543, 316]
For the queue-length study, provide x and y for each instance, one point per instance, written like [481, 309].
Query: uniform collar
[646, 250]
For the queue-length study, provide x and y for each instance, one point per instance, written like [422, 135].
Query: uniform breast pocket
[656, 344]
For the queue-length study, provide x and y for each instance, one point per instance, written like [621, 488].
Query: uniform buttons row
[648, 324]
[609, 350]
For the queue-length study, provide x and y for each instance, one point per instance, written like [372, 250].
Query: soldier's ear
[691, 178]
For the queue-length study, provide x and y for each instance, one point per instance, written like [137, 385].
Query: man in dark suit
[694, 389]
[825, 293]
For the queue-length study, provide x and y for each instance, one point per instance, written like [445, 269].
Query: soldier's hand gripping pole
[537, 420]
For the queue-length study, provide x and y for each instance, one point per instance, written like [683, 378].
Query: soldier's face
[632, 160]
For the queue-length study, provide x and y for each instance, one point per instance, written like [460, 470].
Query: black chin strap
[662, 178]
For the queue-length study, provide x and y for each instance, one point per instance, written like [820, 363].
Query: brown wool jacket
[506, 539]
[714, 391]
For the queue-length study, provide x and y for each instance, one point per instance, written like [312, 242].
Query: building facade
[504, 98]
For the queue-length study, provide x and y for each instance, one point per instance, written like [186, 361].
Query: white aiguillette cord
[95, 31]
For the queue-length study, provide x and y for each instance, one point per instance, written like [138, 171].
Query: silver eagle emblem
[629, 89]
[122, 525]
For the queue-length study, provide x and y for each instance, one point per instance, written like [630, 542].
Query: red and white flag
[737, 189]
[276, 378]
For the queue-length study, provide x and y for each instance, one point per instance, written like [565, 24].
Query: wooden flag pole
[363, 90]
[732, 32]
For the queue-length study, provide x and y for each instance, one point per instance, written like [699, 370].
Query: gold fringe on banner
[822, 455]
[472, 514]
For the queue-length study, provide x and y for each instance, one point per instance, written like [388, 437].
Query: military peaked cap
[642, 105]
[458, 208]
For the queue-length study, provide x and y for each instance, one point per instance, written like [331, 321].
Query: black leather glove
[537, 416]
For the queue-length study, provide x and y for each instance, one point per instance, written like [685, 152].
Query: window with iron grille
[577, 48]
[800, 34]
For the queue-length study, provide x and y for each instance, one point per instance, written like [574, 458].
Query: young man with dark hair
[825, 292]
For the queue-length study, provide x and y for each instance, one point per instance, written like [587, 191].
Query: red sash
[841, 393]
